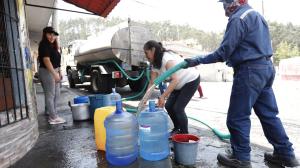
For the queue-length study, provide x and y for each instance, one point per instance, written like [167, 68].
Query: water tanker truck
[115, 58]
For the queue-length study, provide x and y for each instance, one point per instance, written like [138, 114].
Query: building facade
[21, 25]
[18, 112]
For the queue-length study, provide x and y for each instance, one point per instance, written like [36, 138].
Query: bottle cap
[118, 107]
[152, 105]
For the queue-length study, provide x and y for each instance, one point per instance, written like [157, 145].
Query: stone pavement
[71, 145]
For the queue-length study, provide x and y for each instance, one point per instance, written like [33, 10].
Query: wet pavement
[71, 145]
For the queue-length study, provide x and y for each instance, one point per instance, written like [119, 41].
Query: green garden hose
[129, 78]
[142, 91]
[169, 72]
[218, 133]
[131, 110]
[137, 95]
[121, 69]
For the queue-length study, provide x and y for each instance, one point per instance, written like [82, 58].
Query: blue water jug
[153, 133]
[114, 97]
[97, 101]
[81, 99]
[121, 137]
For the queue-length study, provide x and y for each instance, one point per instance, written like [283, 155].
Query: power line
[142, 3]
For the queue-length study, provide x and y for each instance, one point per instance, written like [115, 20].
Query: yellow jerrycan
[100, 133]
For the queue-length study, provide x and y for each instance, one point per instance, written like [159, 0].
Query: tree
[285, 38]
[285, 50]
[81, 29]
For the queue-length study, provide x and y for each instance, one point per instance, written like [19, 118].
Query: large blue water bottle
[121, 137]
[153, 133]
[114, 97]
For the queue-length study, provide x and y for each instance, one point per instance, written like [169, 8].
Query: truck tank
[123, 42]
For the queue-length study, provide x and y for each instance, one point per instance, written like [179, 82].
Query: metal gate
[13, 99]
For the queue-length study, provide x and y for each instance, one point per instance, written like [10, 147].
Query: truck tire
[101, 83]
[95, 79]
[138, 85]
[70, 79]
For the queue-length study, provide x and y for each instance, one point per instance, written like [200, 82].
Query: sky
[207, 15]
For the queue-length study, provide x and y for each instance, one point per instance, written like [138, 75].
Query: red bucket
[188, 138]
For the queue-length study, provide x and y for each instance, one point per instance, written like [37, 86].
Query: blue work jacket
[246, 38]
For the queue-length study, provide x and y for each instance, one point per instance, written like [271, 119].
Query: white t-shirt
[184, 75]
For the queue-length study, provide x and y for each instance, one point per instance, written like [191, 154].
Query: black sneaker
[230, 161]
[278, 160]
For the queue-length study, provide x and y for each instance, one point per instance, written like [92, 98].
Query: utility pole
[177, 32]
[55, 16]
[262, 7]
[55, 26]
[55, 19]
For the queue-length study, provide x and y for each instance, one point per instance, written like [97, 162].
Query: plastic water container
[100, 133]
[153, 133]
[114, 97]
[97, 101]
[121, 137]
[81, 99]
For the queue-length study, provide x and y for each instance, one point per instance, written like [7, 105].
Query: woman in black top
[183, 84]
[49, 73]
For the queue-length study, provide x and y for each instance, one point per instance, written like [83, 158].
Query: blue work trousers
[252, 88]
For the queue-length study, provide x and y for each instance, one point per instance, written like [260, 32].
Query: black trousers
[177, 102]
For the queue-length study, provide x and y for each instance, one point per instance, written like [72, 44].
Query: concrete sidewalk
[71, 145]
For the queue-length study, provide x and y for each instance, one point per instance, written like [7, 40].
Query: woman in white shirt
[182, 86]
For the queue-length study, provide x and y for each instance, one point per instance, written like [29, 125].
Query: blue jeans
[252, 88]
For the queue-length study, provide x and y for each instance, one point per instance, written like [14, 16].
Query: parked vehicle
[115, 58]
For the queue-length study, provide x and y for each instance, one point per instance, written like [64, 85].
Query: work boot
[279, 160]
[230, 161]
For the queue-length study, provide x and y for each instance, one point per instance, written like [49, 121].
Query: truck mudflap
[102, 83]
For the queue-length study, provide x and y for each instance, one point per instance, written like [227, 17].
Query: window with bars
[13, 99]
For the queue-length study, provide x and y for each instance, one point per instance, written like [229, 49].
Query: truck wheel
[70, 79]
[138, 85]
[95, 78]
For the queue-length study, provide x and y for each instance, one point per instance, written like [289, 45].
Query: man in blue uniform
[247, 48]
